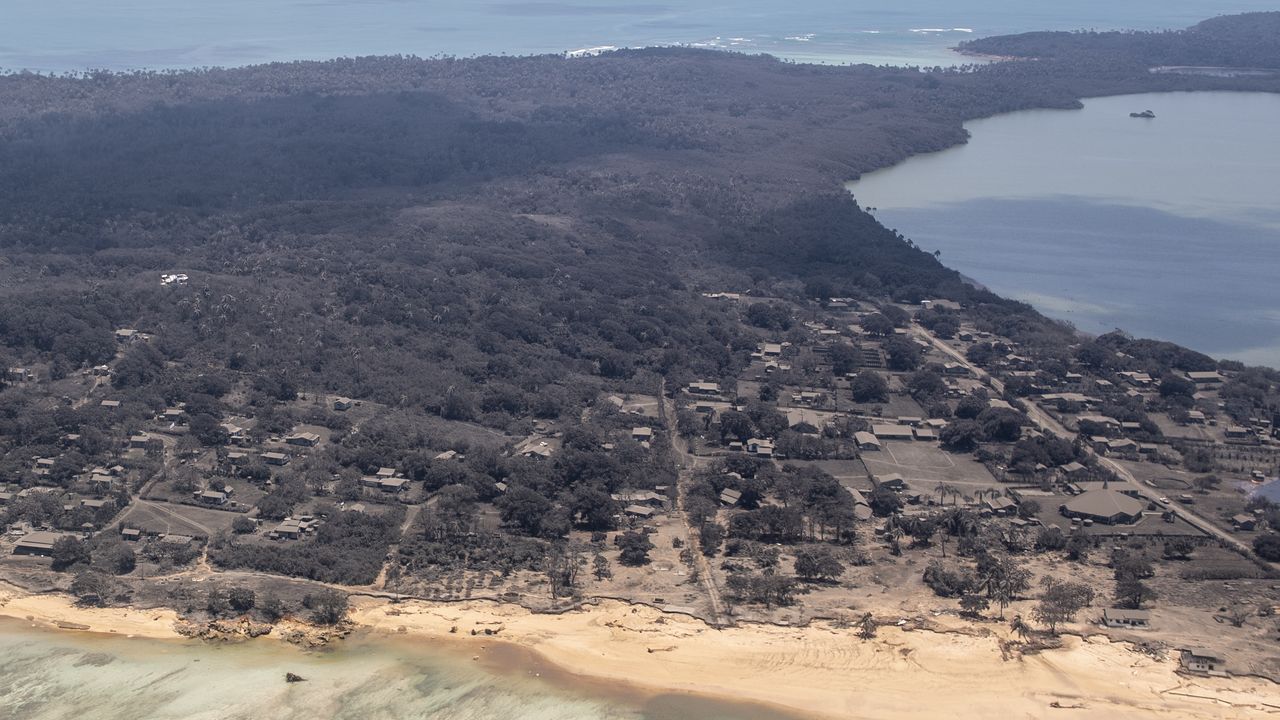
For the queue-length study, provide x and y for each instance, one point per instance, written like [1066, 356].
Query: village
[862, 461]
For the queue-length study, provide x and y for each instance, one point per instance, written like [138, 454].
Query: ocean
[73, 35]
[1163, 228]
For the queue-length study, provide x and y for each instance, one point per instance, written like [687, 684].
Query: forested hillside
[1251, 40]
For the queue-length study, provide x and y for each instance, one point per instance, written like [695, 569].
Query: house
[289, 529]
[211, 497]
[893, 481]
[124, 335]
[861, 508]
[760, 448]
[101, 370]
[130, 534]
[17, 374]
[1104, 505]
[93, 504]
[1000, 505]
[807, 398]
[173, 414]
[393, 485]
[639, 511]
[925, 434]
[1210, 377]
[236, 435]
[892, 432]
[647, 497]
[1195, 417]
[1238, 432]
[703, 388]
[39, 543]
[1124, 448]
[1109, 423]
[448, 455]
[955, 369]
[304, 439]
[385, 472]
[139, 441]
[771, 350]
[343, 404]
[730, 497]
[1202, 661]
[866, 440]
[1073, 469]
[1244, 522]
[541, 450]
[110, 404]
[1136, 378]
[275, 458]
[642, 434]
[1121, 618]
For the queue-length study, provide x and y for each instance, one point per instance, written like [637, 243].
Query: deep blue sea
[62, 35]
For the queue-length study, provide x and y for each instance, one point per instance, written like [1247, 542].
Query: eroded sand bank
[818, 670]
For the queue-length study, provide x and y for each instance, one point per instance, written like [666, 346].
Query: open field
[925, 465]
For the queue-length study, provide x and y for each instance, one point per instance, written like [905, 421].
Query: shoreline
[818, 670]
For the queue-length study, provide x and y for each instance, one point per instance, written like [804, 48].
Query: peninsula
[593, 355]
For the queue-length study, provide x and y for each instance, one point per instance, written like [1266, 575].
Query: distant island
[408, 343]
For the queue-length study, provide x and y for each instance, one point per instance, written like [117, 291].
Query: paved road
[1050, 425]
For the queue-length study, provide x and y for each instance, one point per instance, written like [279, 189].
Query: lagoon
[55, 675]
[1165, 228]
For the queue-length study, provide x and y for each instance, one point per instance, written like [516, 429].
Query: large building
[39, 542]
[1104, 505]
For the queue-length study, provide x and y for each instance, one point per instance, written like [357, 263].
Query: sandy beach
[830, 672]
[953, 670]
[61, 611]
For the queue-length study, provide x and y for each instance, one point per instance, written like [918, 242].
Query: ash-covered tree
[1132, 593]
[328, 607]
[635, 547]
[1061, 601]
[869, 387]
[68, 551]
[818, 564]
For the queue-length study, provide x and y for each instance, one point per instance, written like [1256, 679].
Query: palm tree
[941, 490]
[1019, 626]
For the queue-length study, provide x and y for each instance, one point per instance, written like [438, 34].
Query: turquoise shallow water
[51, 675]
[61, 35]
[1164, 228]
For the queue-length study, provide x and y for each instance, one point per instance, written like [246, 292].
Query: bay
[1164, 228]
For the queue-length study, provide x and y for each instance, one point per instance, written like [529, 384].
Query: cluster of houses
[386, 480]
[294, 528]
